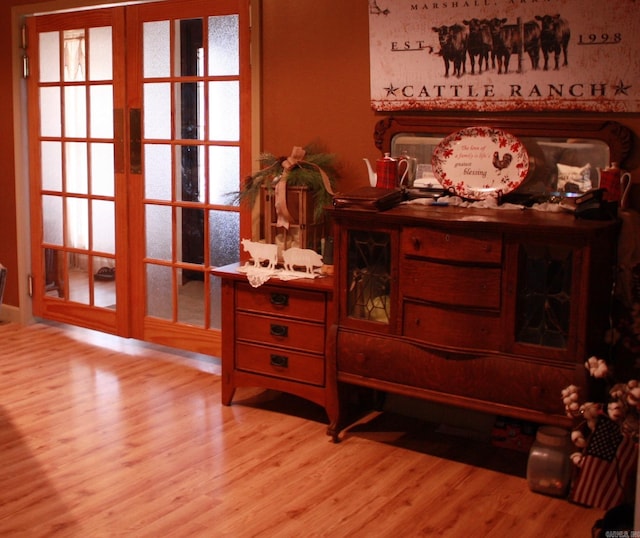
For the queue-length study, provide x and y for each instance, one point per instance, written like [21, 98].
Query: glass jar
[549, 464]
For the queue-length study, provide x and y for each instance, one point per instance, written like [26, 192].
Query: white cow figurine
[301, 257]
[261, 252]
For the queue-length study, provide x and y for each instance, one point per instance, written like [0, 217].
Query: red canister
[386, 172]
[610, 181]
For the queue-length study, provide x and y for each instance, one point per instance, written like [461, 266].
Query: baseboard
[9, 313]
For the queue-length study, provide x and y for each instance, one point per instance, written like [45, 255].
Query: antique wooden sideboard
[490, 310]
[493, 310]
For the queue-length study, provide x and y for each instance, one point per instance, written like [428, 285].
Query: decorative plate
[478, 162]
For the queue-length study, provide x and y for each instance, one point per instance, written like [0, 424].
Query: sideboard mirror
[551, 145]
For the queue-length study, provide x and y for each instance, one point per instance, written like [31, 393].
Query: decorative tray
[478, 162]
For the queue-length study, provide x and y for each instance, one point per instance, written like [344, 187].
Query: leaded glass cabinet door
[369, 281]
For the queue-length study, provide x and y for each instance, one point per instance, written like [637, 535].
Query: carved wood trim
[617, 136]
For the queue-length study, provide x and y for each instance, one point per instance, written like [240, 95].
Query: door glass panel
[102, 171]
[156, 49]
[54, 272]
[224, 173]
[101, 111]
[76, 167]
[225, 237]
[75, 112]
[224, 109]
[192, 236]
[158, 227]
[224, 56]
[191, 301]
[103, 216]
[79, 291]
[52, 173]
[49, 54]
[78, 223]
[52, 220]
[50, 112]
[159, 295]
[190, 110]
[157, 110]
[157, 159]
[190, 163]
[74, 56]
[104, 290]
[215, 318]
[100, 54]
[191, 53]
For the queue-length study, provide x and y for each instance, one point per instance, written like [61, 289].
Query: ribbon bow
[295, 159]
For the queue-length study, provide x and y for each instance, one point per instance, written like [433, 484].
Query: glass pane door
[73, 141]
[135, 172]
[192, 153]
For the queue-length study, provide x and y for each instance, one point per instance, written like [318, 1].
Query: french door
[139, 134]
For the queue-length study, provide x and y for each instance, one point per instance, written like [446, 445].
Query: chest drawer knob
[279, 299]
[415, 241]
[279, 330]
[280, 361]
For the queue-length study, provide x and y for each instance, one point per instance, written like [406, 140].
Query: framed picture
[503, 55]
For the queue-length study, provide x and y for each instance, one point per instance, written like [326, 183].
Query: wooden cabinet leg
[228, 390]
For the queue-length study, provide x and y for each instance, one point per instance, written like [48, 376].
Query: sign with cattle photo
[502, 55]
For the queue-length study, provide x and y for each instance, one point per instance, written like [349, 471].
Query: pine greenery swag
[304, 174]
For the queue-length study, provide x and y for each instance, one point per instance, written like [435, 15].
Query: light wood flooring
[101, 437]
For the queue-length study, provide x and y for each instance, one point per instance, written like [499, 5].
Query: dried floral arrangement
[306, 167]
[606, 432]
[622, 407]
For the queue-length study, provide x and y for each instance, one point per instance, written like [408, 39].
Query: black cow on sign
[453, 47]
[480, 43]
[507, 40]
[554, 38]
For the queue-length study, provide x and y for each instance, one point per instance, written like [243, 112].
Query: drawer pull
[279, 330]
[281, 361]
[416, 243]
[279, 299]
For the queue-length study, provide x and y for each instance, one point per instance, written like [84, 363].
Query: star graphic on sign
[391, 90]
[621, 88]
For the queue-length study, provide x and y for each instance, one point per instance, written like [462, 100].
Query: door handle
[279, 299]
[279, 330]
[135, 144]
[281, 361]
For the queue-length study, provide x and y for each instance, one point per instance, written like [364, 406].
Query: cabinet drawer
[455, 328]
[298, 304]
[452, 246]
[284, 364]
[451, 284]
[280, 332]
[493, 379]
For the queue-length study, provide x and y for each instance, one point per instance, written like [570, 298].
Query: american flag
[610, 461]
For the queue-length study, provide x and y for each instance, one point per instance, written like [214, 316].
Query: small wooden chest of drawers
[274, 336]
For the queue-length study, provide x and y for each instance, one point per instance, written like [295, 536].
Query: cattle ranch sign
[501, 55]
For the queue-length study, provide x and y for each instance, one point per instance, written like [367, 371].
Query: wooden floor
[107, 437]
